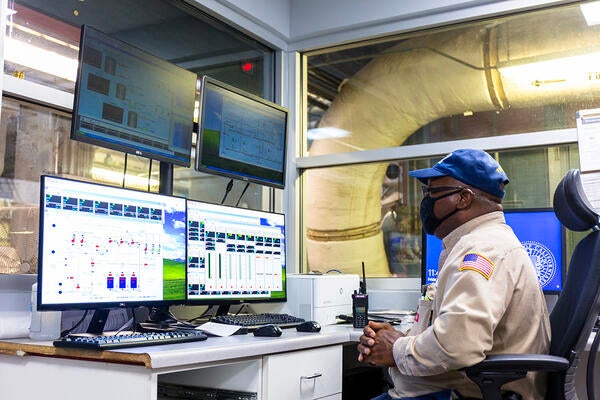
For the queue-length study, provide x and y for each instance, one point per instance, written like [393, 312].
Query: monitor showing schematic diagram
[102, 246]
[241, 136]
[234, 255]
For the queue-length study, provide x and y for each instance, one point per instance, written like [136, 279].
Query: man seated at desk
[488, 299]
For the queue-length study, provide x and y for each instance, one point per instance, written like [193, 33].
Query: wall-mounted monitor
[241, 136]
[234, 255]
[102, 247]
[540, 232]
[129, 100]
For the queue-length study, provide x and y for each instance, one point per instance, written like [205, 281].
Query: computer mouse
[308, 326]
[268, 331]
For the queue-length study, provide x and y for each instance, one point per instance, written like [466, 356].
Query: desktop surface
[214, 362]
[214, 349]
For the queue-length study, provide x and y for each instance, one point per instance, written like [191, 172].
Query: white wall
[320, 23]
[275, 14]
[299, 25]
[266, 20]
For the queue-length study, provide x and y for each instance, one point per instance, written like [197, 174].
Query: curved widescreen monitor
[540, 232]
[103, 247]
[131, 101]
[235, 255]
[240, 135]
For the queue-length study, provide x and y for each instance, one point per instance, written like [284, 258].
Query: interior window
[522, 74]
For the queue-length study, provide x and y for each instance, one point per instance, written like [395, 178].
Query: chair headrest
[571, 204]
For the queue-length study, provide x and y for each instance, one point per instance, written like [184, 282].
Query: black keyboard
[129, 339]
[253, 321]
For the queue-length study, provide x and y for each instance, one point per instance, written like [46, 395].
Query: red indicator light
[247, 67]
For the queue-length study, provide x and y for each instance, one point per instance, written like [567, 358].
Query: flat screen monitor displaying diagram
[234, 255]
[540, 232]
[102, 247]
[131, 101]
[241, 136]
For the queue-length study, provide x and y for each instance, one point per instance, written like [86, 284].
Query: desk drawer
[307, 374]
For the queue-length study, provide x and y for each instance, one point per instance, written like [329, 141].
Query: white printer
[320, 297]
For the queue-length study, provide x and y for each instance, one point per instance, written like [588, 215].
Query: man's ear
[465, 199]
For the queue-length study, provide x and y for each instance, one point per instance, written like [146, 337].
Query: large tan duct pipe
[416, 82]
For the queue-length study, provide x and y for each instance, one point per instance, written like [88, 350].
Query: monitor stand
[98, 321]
[165, 185]
[159, 319]
[223, 309]
[160, 315]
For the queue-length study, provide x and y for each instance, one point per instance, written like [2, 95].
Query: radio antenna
[363, 284]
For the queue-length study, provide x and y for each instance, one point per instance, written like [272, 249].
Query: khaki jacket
[488, 302]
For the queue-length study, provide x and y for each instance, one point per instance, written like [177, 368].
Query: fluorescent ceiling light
[328, 132]
[116, 177]
[591, 12]
[34, 57]
[41, 35]
[581, 69]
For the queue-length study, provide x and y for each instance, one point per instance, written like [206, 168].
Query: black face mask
[428, 218]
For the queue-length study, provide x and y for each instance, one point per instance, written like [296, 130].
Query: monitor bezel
[563, 262]
[93, 305]
[259, 102]
[242, 300]
[120, 146]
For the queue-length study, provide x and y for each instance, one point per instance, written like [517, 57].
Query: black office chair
[572, 318]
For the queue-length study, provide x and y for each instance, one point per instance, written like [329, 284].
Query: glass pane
[36, 140]
[523, 73]
[214, 189]
[40, 49]
[370, 212]
[515, 74]
[42, 40]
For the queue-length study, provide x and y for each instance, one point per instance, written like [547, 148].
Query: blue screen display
[540, 232]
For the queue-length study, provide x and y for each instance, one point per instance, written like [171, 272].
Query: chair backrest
[578, 305]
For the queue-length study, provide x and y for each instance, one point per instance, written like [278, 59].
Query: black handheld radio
[360, 303]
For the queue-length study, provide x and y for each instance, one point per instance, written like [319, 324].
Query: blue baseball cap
[476, 168]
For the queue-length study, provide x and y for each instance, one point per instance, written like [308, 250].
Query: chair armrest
[519, 362]
[496, 370]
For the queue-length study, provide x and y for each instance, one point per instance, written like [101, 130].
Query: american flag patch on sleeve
[478, 263]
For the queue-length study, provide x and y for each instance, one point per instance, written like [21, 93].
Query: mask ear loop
[474, 194]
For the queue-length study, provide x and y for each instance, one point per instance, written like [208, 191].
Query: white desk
[293, 366]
